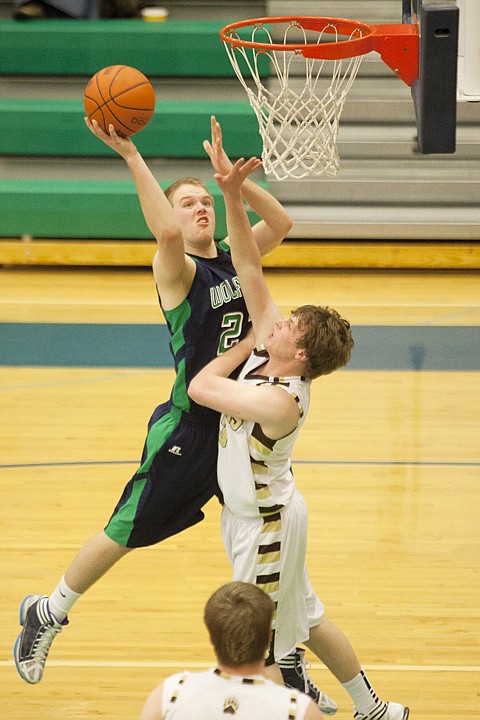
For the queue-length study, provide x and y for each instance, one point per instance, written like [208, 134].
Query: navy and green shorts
[176, 478]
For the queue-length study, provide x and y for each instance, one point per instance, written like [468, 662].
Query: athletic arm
[274, 409]
[245, 253]
[153, 710]
[173, 270]
[276, 222]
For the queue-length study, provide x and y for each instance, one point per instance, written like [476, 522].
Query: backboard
[434, 93]
[298, 122]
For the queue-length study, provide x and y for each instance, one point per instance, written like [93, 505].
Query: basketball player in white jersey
[238, 617]
[264, 518]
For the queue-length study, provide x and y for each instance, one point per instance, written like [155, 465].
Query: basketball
[121, 96]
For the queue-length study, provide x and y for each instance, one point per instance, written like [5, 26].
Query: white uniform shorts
[270, 552]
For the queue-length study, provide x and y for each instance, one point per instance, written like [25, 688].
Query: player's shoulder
[300, 704]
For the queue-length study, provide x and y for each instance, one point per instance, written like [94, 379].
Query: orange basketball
[121, 96]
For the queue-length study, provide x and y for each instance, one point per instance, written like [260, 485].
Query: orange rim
[319, 24]
[396, 43]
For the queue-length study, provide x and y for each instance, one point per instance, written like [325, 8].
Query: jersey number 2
[232, 322]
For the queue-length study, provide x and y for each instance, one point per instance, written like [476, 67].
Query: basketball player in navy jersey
[204, 309]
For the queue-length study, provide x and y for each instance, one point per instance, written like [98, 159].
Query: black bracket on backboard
[435, 92]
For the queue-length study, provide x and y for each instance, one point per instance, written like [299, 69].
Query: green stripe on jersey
[121, 524]
[176, 319]
[158, 434]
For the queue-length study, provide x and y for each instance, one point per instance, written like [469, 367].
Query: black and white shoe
[385, 711]
[294, 670]
[39, 631]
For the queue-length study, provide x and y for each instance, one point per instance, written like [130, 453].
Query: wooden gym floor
[388, 462]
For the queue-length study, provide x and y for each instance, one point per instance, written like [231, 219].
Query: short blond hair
[171, 189]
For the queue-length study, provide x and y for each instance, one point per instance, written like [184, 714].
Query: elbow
[195, 390]
[166, 235]
[282, 228]
[287, 224]
[192, 390]
[201, 391]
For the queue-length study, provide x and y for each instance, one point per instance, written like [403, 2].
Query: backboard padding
[435, 92]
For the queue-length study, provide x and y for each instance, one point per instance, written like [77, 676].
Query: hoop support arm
[398, 48]
[396, 44]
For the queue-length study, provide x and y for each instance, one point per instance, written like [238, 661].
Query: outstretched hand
[220, 161]
[232, 181]
[122, 145]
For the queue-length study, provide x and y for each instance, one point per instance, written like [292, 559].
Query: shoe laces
[303, 666]
[320, 697]
[42, 643]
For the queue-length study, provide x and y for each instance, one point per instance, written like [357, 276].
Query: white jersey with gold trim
[254, 471]
[215, 695]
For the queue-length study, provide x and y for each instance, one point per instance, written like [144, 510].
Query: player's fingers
[216, 134]
[219, 130]
[252, 164]
[95, 128]
[239, 167]
[213, 129]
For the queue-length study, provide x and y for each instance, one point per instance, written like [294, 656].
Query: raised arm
[276, 222]
[245, 253]
[172, 269]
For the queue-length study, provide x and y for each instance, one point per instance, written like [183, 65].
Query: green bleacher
[39, 126]
[177, 129]
[81, 209]
[81, 47]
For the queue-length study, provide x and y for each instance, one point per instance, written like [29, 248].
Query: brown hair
[327, 339]
[171, 189]
[238, 617]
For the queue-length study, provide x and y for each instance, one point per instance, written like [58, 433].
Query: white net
[299, 103]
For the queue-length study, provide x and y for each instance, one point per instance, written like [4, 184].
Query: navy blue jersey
[211, 319]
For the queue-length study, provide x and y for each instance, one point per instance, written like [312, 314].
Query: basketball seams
[112, 80]
[120, 122]
[97, 83]
[115, 101]
[134, 87]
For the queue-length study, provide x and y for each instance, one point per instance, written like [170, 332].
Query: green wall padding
[177, 129]
[81, 209]
[179, 48]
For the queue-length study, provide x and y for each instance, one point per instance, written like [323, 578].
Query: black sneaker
[32, 645]
[294, 671]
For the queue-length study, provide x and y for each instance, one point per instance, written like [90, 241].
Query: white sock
[61, 600]
[363, 695]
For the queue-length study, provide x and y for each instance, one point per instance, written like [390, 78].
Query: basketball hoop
[299, 119]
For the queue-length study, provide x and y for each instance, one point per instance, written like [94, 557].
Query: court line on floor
[206, 665]
[386, 463]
